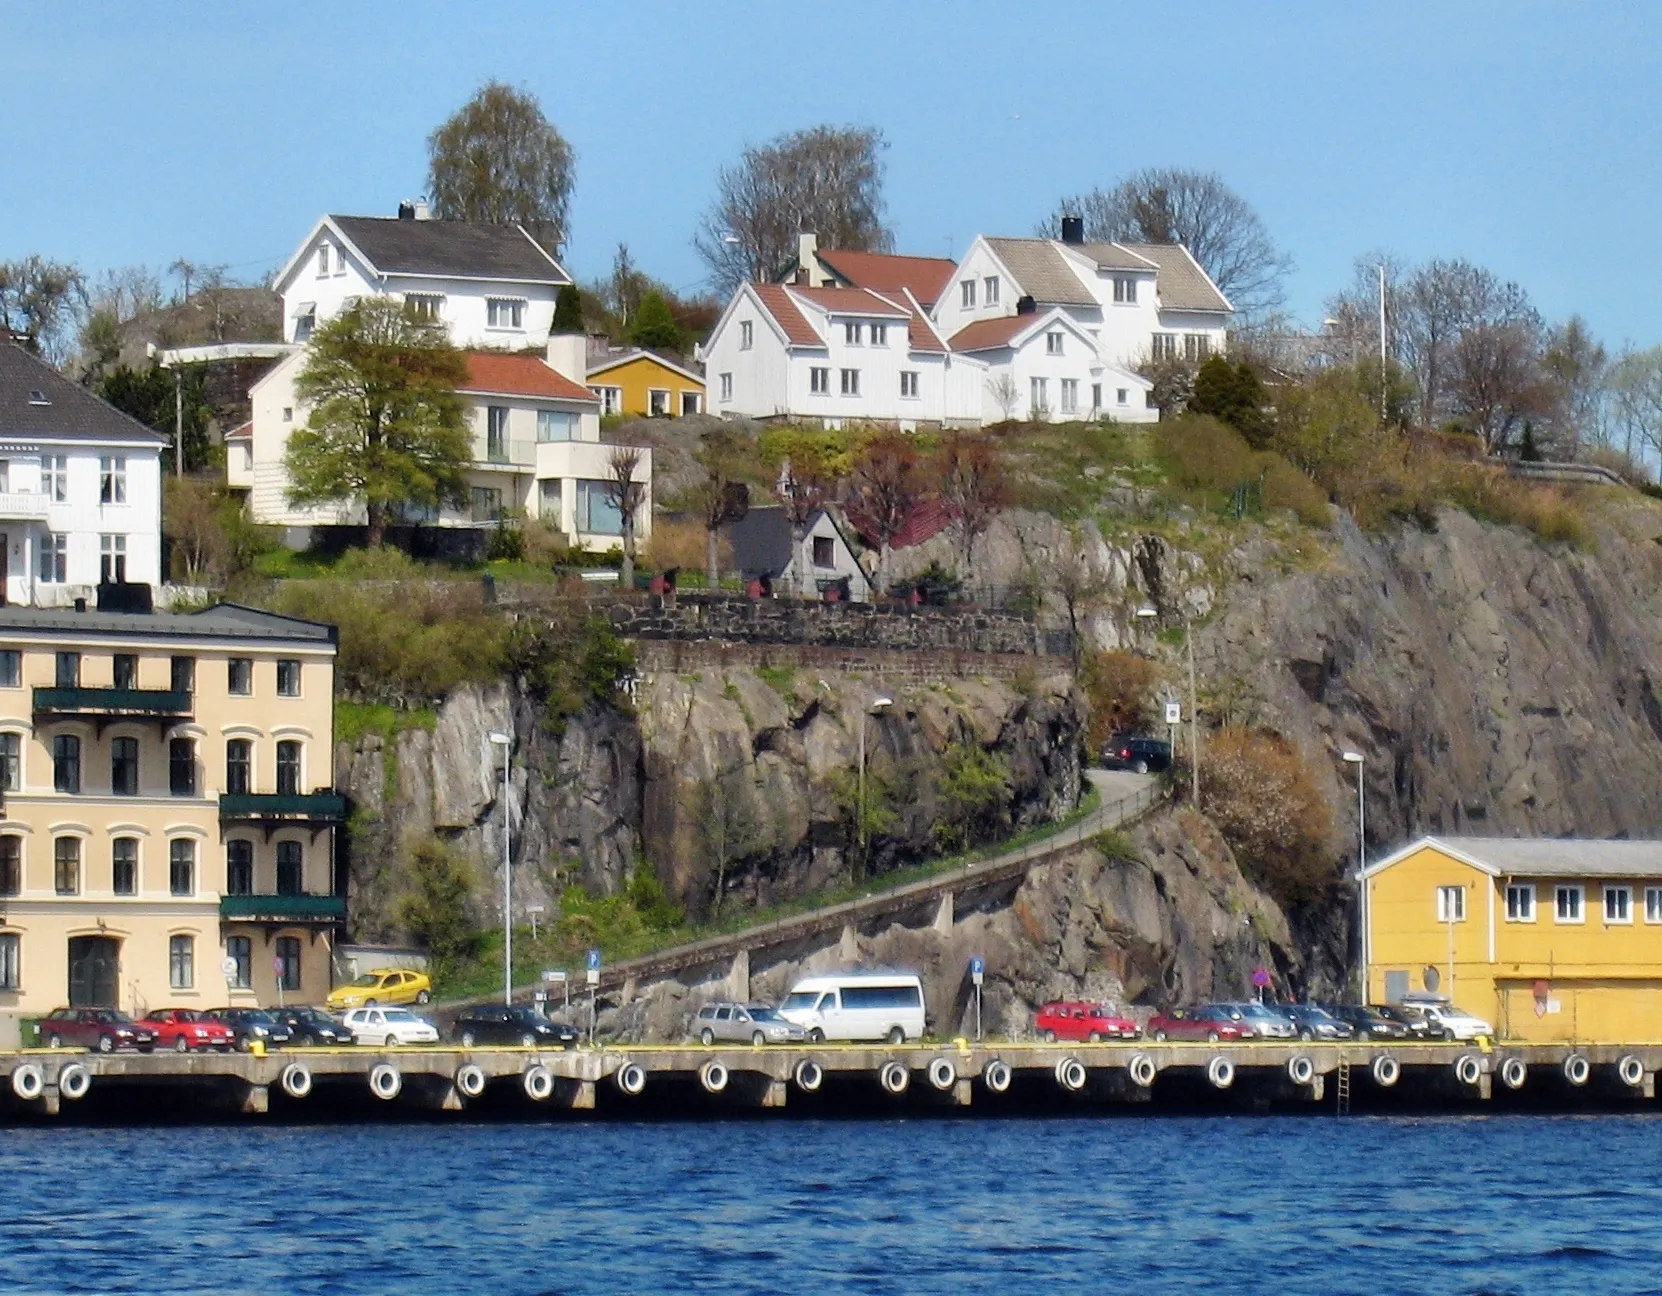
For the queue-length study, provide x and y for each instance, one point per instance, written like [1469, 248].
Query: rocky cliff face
[718, 770]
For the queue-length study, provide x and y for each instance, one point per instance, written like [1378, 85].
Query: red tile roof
[920, 330]
[777, 302]
[985, 334]
[242, 432]
[849, 301]
[925, 277]
[511, 373]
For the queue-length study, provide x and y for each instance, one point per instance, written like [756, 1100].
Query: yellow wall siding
[635, 377]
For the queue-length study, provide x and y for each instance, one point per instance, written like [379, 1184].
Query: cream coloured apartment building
[168, 829]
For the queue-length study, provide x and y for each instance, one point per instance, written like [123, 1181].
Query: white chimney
[422, 211]
[568, 356]
[807, 257]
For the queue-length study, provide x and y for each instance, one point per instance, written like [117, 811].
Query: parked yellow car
[382, 986]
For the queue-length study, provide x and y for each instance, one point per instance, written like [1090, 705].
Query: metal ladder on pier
[1341, 1086]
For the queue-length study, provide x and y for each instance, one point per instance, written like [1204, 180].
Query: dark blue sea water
[1493, 1205]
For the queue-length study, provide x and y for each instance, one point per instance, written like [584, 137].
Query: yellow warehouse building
[1551, 940]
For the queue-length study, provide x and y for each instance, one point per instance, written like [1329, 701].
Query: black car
[1368, 1023]
[250, 1024]
[510, 1024]
[1315, 1023]
[1418, 1027]
[313, 1026]
[1143, 755]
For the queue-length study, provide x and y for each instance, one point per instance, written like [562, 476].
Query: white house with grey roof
[80, 489]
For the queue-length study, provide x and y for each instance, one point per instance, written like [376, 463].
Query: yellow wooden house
[1551, 940]
[645, 384]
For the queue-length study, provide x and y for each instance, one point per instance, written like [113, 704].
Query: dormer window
[1125, 290]
[504, 312]
[38, 397]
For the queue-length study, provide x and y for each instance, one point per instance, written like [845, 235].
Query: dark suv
[1143, 755]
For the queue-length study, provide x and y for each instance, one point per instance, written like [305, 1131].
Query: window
[11, 865]
[1653, 904]
[112, 559]
[747, 335]
[966, 294]
[288, 677]
[1121, 395]
[124, 771]
[1451, 904]
[1038, 395]
[125, 671]
[1070, 395]
[305, 322]
[1618, 904]
[1125, 290]
[124, 866]
[239, 676]
[1567, 902]
[657, 402]
[611, 400]
[181, 767]
[240, 951]
[496, 433]
[11, 668]
[54, 559]
[487, 504]
[1053, 343]
[851, 382]
[727, 386]
[909, 383]
[824, 551]
[288, 413]
[990, 287]
[288, 868]
[1163, 346]
[183, 674]
[181, 866]
[880, 335]
[1520, 902]
[11, 762]
[288, 768]
[66, 670]
[1096, 396]
[239, 867]
[340, 261]
[9, 978]
[819, 381]
[239, 760]
[54, 477]
[504, 313]
[691, 403]
[548, 499]
[66, 763]
[66, 865]
[112, 479]
[323, 261]
[556, 425]
[181, 962]
[597, 512]
[851, 332]
[1196, 347]
[423, 306]
[288, 962]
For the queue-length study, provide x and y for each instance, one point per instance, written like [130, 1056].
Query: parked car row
[1422, 1018]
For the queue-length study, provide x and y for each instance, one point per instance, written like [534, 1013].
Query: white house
[1017, 328]
[490, 285]
[80, 489]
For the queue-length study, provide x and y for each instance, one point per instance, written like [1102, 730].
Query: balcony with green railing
[113, 703]
[295, 909]
[317, 809]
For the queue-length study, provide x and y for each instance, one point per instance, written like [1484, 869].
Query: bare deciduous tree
[1198, 210]
[1005, 394]
[884, 487]
[809, 464]
[41, 301]
[1496, 383]
[828, 180]
[626, 494]
[973, 486]
[500, 161]
[722, 497]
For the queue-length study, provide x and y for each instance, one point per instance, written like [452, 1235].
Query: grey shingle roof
[462, 249]
[1182, 284]
[63, 411]
[1560, 857]
[761, 542]
[222, 621]
[1041, 271]
[1114, 256]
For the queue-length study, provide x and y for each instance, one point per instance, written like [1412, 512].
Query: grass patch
[781, 679]
[355, 719]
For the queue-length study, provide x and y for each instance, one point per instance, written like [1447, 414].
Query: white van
[857, 1006]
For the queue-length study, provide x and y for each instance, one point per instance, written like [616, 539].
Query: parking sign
[978, 969]
[1174, 713]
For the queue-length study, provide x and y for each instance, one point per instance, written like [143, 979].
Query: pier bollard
[74, 1081]
[1142, 1070]
[713, 1076]
[942, 1074]
[27, 1082]
[1630, 1070]
[809, 1075]
[1577, 1069]
[1513, 1072]
[1467, 1069]
[894, 1078]
[1386, 1070]
[1221, 1072]
[296, 1080]
[1301, 1070]
[630, 1078]
[1071, 1074]
[470, 1080]
[385, 1081]
[538, 1082]
[996, 1075]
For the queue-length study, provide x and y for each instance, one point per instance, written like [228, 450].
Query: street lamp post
[1358, 760]
[878, 706]
[506, 742]
[1146, 613]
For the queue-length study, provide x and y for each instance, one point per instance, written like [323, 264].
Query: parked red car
[184, 1029]
[103, 1029]
[1210, 1023]
[1082, 1022]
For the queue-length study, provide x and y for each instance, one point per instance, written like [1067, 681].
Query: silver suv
[743, 1024]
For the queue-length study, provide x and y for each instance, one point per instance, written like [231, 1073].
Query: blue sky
[1519, 135]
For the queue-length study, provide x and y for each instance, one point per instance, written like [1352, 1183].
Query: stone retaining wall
[660, 656]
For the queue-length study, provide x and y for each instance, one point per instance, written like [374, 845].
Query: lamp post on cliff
[878, 706]
[1357, 759]
[1148, 613]
[506, 742]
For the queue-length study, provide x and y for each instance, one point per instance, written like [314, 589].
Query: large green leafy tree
[148, 394]
[386, 427]
[654, 326]
[1233, 394]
